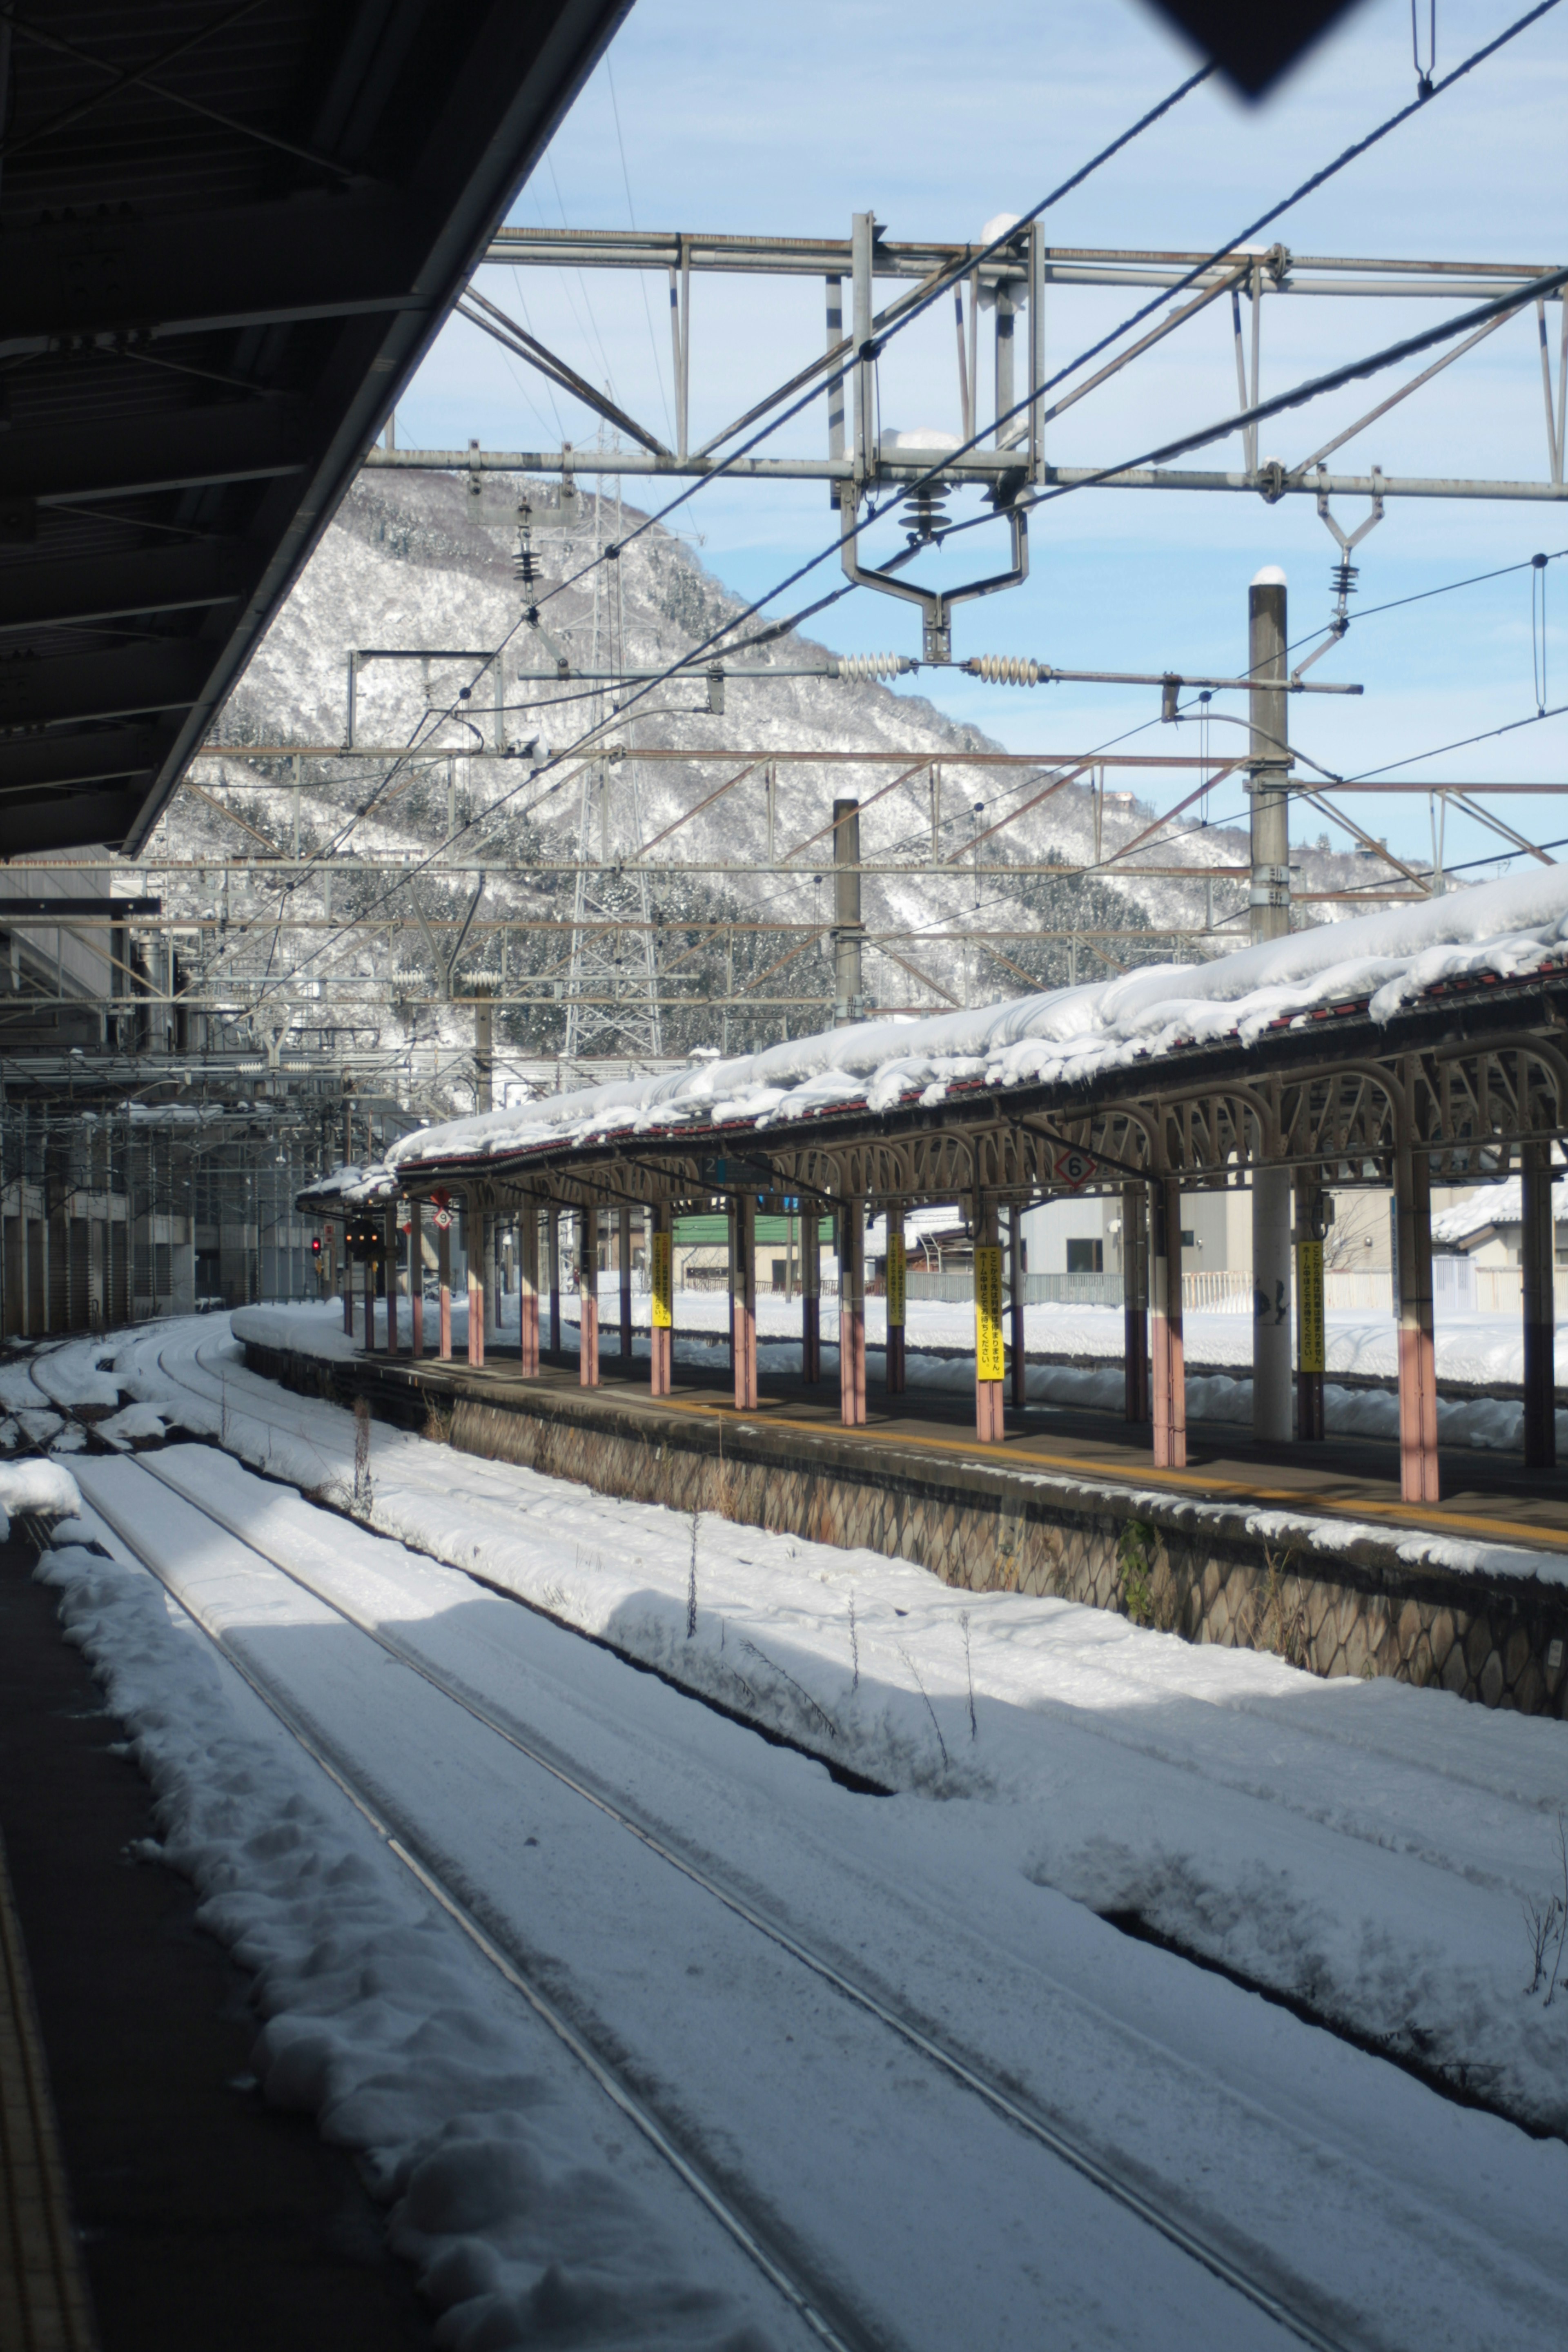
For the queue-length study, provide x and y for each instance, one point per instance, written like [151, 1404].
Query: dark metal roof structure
[228, 233]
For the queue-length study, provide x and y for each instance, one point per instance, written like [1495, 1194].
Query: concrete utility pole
[847, 1001]
[1269, 766]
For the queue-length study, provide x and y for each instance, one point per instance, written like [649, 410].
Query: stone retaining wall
[1187, 1568]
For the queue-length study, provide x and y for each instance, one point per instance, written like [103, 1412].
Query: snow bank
[506, 2188]
[36, 1486]
[1509, 927]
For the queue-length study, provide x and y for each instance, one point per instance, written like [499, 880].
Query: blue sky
[788, 121]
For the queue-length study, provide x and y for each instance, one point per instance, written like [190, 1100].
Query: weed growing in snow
[785, 1675]
[969, 1673]
[1539, 1925]
[692, 1579]
[930, 1710]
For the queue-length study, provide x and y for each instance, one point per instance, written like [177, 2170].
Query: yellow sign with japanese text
[663, 1290]
[1310, 1356]
[989, 1354]
[897, 1266]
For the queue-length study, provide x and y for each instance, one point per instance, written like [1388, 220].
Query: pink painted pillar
[743, 1302]
[476, 1224]
[852, 1314]
[624, 1268]
[1165, 1320]
[444, 1275]
[1419, 1479]
[415, 1282]
[1135, 1298]
[528, 1286]
[588, 1298]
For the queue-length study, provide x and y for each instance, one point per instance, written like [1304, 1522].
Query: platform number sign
[442, 1220]
[1075, 1168]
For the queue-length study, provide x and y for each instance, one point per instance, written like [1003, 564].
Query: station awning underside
[230, 234]
[1460, 1078]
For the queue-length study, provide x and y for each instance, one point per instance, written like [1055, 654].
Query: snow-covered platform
[1307, 1551]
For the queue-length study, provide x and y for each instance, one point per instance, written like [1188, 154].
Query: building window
[1189, 1238]
[1086, 1258]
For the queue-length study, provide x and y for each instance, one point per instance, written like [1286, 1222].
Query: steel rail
[406, 1848]
[1008, 2106]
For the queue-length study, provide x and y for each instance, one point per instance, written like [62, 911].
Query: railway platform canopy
[1412, 1048]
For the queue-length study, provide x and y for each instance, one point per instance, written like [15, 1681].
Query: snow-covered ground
[1479, 1349]
[1364, 1848]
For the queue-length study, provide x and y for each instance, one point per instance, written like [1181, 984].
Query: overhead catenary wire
[1074, 181]
[1313, 181]
[944, 285]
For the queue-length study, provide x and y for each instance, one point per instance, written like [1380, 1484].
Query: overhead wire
[1074, 180]
[631, 215]
[1306, 186]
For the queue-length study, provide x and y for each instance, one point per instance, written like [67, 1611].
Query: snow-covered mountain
[425, 565]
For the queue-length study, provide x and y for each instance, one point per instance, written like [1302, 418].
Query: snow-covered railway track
[825, 2314]
[1047, 2134]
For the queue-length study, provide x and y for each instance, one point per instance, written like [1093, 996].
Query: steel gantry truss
[1017, 457]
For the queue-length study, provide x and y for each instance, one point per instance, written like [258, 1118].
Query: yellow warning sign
[1309, 1306]
[897, 1264]
[658, 1273]
[990, 1356]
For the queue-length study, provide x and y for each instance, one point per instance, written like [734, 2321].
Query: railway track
[812, 2300]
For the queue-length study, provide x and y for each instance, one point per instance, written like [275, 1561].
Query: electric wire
[1074, 181]
[1314, 181]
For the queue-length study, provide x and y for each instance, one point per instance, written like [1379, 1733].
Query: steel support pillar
[1272, 1400]
[348, 1272]
[1538, 1278]
[1170, 1383]
[588, 1298]
[415, 1283]
[852, 1313]
[990, 1361]
[661, 1300]
[743, 1302]
[1016, 1303]
[897, 1285]
[1311, 1335]
[553, 1251]
[369, 1304]
[810, 1292]
[624, 1268]
[1419, 1479]
[528, 1286]
[1135, 1298]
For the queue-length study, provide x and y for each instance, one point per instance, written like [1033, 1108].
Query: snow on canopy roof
[1494, 1204]
[349, 1187]
[1506, 929]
